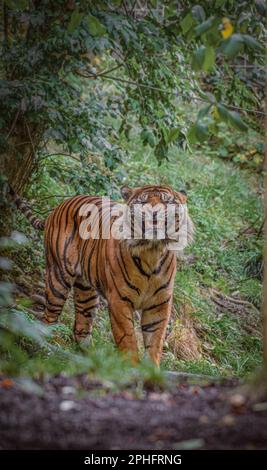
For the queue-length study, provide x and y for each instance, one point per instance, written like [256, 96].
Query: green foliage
[75, 20]
[245, 154]
[217, 35]
[231, 117]
[51, 55]
[94, 26]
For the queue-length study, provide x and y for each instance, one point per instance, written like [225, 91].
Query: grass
[223, 202]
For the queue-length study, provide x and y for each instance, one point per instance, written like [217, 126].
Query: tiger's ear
[126, 192]
[182, 196]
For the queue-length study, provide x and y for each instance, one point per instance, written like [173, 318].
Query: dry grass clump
[183, 340]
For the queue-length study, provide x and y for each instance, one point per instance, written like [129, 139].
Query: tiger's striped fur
[131, 276]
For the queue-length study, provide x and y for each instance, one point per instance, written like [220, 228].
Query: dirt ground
[75, 413]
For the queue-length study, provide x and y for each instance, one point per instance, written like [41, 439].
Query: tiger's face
[157, 214]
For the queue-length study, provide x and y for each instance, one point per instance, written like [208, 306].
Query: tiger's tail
[24, 207]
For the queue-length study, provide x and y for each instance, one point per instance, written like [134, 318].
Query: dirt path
[73, 413]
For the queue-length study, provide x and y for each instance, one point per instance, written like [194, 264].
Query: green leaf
[236, 121]
[94, 26]
[187, 22]
[198, 132]
[164, 135]
[19, 5]
[151, 140]
[203, 111]
[207, 96]
[203, 58]
[209, 60]
[173, 134]
[233, 45]
[161, 151]
[198, 58]
[252, 43]
[223, 112]
[243, 23]
[75, 21]
[203, 27]
[199, 13]
[231, 117]
[223, 152]
[191, 135]
[148, 137]
[202, 131]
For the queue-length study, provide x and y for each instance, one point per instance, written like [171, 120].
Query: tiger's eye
[141, 199]
[144, 197]
[165, 197]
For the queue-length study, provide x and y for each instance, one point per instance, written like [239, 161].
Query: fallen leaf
[228, 420]
[260, 406]
[6, 383]
[203, 419]
[237, 400]
[190, 444]
[67, 405]
[67, 390]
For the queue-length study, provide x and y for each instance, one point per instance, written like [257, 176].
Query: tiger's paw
[83, 341]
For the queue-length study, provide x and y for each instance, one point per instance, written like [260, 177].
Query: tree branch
[13, 124]
[60, 155]
[143, 85]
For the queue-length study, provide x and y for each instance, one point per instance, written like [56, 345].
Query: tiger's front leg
[122, 323]
[86, 304]
[154, 323]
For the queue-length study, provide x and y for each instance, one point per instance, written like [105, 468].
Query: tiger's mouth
[154, 228]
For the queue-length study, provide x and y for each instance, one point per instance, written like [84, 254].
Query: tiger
[133, 275]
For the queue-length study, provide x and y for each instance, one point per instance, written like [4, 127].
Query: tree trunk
[264, 312]
[17, 163]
